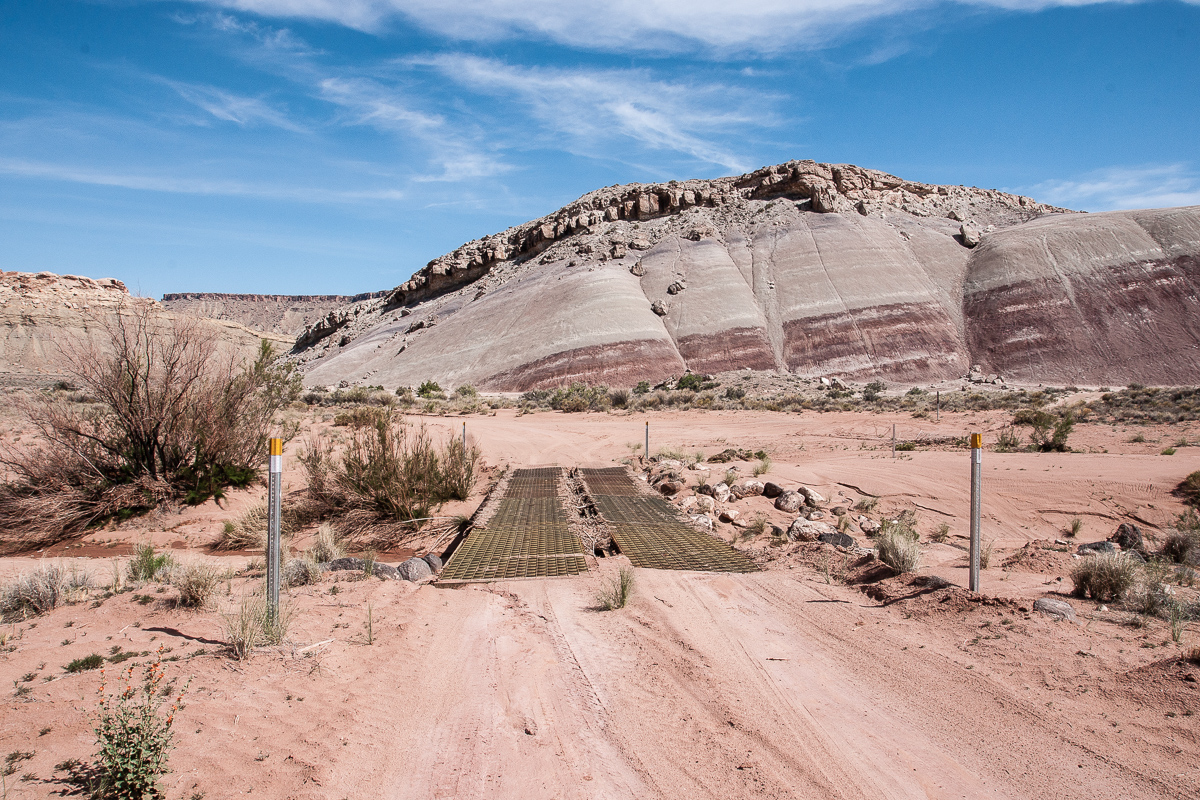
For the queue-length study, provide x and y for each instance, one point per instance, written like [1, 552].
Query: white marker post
[976, 502]
[647, 453]
[274, 487]
[464, 437]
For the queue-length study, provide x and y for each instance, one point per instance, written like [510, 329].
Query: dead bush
[302, 571]
[172, 419]
[327, 545]
[1104, 576]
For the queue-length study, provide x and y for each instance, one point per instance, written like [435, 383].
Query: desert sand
[807, 679]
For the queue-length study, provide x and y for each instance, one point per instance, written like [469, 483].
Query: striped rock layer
[808, 268]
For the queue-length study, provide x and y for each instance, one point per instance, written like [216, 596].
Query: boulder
[836, 539]
[747, 489]
[1097, 547]
[704, 503]
[1051, 607]
[434, 561]
[676, 287]
[867, 526]
[1128, 537]
[637, 270]
[729, 515]
[721, 492]
[659, 307]
[789, 502]
[702, 521]
[414, 569]
[838, 511]
[969, 235]
[811, 496]
[815, 515]
[772, 489]
[385, 571]
[669, 487]
[687, 503]
[346, 564]
[804, 531]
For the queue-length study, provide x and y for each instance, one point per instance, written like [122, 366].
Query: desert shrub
[619, 398]
[1169, 451]
[898, 548]
[134, 738]
[873, 390]
[1008, 441]
[1050, 431]
[1189, 489]
[866, 505]
[147, 564]
[196, 581]
[1104, 576]
[36, 592]
[1181, 547]
[643, 387]
[94, 661]
[580, 397]
[327, 545]
[172, 420]
[387, 473]
[693, 382]
[941, 534]
[430, 390]
[466, 390]
[358, 417]
[734, 393]
[763, 466]
[1076, 527]
[244, 626]
[617, 591]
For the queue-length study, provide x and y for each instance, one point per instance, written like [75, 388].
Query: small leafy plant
[147, 564]
[134, 738]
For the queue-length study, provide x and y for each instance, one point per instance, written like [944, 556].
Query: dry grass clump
[249, 626]
[303, 571]
[617, 591]
[327, 545]
[388, 479]
[899, 548]
[1104, 576]
[41, 590]
[197, 582]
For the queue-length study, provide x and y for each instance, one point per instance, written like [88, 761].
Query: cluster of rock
[822, 188]
[1126, 539]
[45, 290]
[711, 501]
[413, 570]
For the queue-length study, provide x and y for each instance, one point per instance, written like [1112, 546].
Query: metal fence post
[647, 453]
[464, 437]
[976, 503]
[274, 487]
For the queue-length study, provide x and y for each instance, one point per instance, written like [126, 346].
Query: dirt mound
[812, 269]
[1043, 557]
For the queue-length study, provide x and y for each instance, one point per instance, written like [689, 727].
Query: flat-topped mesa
[272, 298]
[822, 188]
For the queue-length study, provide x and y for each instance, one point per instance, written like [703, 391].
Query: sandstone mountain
[43, 314]
[811, 268]
[284, 314]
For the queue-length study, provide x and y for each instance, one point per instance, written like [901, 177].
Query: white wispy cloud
[366, 101]
[1156, 186]
[175, 184]
[594, 107]
[638, 25]
[230, 107]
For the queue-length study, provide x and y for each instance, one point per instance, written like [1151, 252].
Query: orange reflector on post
[976, 441]
[276, 447]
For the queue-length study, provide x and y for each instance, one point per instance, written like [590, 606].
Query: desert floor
[815, 677]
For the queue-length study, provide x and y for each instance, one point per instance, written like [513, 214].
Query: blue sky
[335, 146]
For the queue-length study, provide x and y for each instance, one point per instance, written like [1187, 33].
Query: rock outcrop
[813, 269]
[43, 314]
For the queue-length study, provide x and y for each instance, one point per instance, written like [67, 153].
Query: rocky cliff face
[284, 314]
[811, 268]
[43, 314]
